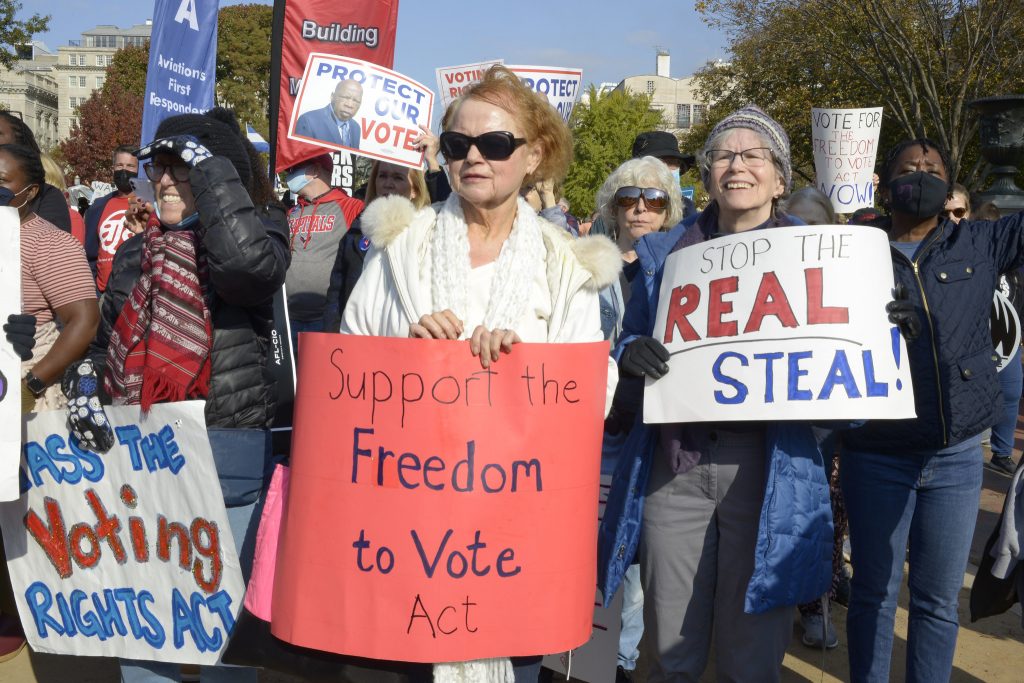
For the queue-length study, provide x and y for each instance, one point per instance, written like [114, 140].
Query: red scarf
[160, 347]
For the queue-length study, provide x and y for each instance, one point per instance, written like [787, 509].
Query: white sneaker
[815, 632]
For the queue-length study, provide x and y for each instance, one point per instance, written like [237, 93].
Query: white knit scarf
[498, 670]
[517, 262]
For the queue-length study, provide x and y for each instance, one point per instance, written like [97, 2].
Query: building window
[104, 60]
[137, 41]
[105, 41]
[81, 82]
[81, 60]
[650, 87]
[99, 81]
[700, 113]
[682, 116]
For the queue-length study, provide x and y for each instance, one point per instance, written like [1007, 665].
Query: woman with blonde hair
[484, 267]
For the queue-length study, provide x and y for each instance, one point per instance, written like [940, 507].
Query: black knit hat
[218, 131]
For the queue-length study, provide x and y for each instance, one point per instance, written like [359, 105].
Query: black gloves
[21, 333]
[86, 419]
[187, 147]
[645, 357]
[902, 314]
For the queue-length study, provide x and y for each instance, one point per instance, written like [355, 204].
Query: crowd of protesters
[169, 300]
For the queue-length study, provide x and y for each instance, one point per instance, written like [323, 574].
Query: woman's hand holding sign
[645, 356]
[488, 343]
[441, 325]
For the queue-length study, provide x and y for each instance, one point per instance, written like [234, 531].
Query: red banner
[364, 30]
[438, 511]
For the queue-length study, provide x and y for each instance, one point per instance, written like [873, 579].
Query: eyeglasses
[959, 212]
[755, 157]
[493, 146]
[155, 172]
[630, 195]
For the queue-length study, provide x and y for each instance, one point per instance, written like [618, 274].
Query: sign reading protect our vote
[453, 80]
[10, 363]
[561, 86]
[126, 554]
[845, 143]
[439, 511]
[780, 324]
[350, 105]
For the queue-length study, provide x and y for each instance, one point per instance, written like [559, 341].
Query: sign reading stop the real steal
[439, 511]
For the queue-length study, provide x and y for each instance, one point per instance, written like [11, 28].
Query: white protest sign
[351, 105]
[128, 554]
[452, 80]
[780, 324]
[845, 143]
[561, 86]
[10, 363]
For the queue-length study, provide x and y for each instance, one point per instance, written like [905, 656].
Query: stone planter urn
[1001, 129]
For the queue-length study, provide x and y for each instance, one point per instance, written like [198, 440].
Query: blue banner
[182, 62]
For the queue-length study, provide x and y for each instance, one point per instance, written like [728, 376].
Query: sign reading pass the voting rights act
[438, 511]
[780, 324]
[128, 554]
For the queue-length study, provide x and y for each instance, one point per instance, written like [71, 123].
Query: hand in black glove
[86, 419]
[645, 356]
[21, 332]
[902, 314]
[187, 147]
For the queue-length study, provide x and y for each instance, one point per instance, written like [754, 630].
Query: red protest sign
[438, 511]
[364, 30]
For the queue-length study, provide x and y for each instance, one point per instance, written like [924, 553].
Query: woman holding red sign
[485, 268]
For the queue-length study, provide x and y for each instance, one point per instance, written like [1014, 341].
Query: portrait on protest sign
[561, 86]
[845, 143]
[10, 363]
[128, 554]
[453, 80]
[438, 511]
[780, 324]
[350, 105]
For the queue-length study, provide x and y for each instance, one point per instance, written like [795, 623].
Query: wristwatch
[34, 384]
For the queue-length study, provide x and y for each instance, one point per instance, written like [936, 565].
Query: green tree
[128, 69]
[924, 61]
[14, 32]
[603, 131]
[243, 62]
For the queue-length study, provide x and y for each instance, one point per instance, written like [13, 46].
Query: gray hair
[641, 172]
[812, 206]
[717, 141]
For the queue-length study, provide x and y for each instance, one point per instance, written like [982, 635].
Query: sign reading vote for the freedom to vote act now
[438, 511]
[125, 554]
[780, 324]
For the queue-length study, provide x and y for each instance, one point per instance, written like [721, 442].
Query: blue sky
[608, 39]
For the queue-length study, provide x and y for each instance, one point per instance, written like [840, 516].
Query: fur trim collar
[388, 217]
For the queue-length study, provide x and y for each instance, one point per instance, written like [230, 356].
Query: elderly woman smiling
[485, 268]
[736, 519]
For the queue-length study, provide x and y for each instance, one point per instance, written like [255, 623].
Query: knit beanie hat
[218, 131]
[753, 118]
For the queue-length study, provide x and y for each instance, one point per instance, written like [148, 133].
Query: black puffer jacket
[247, 256]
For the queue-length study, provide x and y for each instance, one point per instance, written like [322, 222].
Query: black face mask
[6, 196]
[919, 194]
[122, 180]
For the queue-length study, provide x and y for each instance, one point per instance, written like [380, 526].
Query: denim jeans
[932, 501]
[632, 618]
[243, 521]
[304, 326]
[1011, 379]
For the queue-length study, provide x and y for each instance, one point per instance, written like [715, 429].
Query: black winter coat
[950, 281]
[247, 256]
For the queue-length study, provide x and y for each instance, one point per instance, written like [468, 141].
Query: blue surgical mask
[296, 179]
[6, 196]
[185, 223]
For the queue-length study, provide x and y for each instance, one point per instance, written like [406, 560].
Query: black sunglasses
[493, 146]
[959, 212]
[630, 195]
[155, 172]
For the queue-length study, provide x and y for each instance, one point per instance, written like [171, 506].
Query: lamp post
[1001, 129]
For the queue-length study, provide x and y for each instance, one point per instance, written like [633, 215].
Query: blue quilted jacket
[793, 556]
[950, 281]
